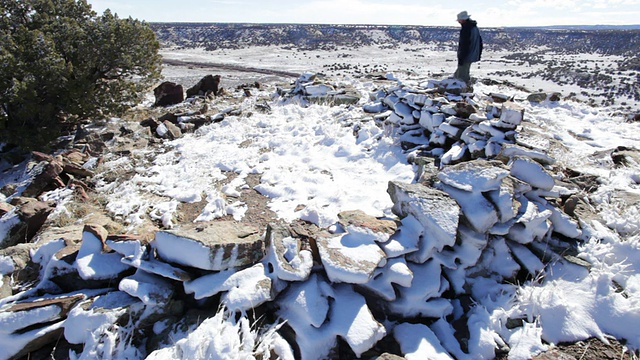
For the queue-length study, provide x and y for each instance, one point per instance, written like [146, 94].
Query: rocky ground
[147, 128]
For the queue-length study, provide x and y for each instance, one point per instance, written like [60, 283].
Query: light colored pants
[462, 72]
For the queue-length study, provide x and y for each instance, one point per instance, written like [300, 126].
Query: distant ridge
[581, 27]
[541, 27]
[602, 39]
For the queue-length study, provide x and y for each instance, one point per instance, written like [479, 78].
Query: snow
[417, 342]
[281, 146]
[305, 305]
[93, 263]
[6, 265]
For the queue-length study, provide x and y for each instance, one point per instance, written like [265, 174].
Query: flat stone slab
[435, 210]
[351, 257]
[217, 246]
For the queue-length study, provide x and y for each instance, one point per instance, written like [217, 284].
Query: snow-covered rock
[351, 257]
[418, 342]
[290, 262]
[217, 246]
[94, 262]
[434, 209]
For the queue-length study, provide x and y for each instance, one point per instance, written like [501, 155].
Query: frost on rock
[224, 337]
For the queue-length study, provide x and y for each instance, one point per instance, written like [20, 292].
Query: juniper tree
[61, 63]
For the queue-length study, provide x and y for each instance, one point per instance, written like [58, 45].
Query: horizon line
[637, 26]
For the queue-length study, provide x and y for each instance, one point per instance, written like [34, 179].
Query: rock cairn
[485, 208]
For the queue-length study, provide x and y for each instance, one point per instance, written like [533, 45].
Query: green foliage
[61, 63]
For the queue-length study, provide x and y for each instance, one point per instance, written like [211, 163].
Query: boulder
[435, 210]
[537, 97]
[167, 130]
[47, 177]
[168, 93]
[207, 85]
[217, 246]
[32, 214]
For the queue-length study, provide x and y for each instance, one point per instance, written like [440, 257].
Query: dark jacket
[470, 43]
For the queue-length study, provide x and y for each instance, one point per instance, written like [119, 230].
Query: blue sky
[398, 12]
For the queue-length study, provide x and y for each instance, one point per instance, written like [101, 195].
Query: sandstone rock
[532, 223]
[152, 290]
[350, 258]
[47, 177]
[168, 93]
[434, 209]
[5, 208]
[359, 218]
[31, 324]
[511, 116]
[476, 208]
[509, 151]
[556, 96]
[537, 97]
[20, 255]
[464, 110]
[624, 156]
[32, 214]
[417, 341]
[382, 282]
[75, 156]
[151, 123]
[217, 246]
[289, 261]
[173, 132]
[206, 85]
[76, 170]
[422, 298]
[5, 286]
[387, 356]
[57, 309]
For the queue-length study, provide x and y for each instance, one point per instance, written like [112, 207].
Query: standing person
[469, 46]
